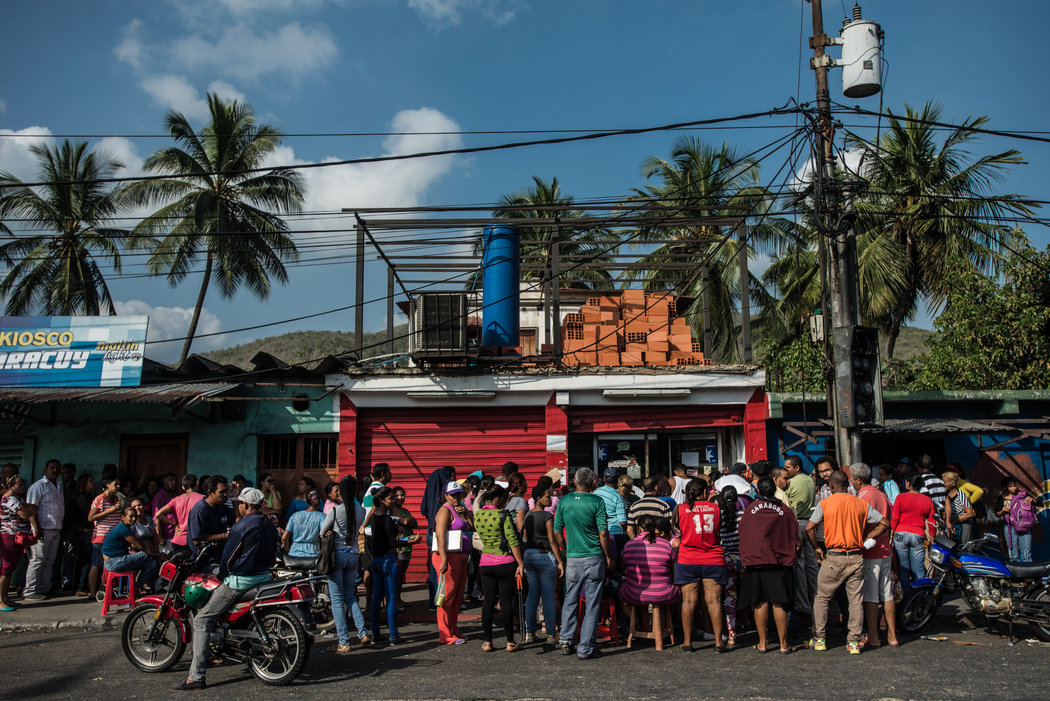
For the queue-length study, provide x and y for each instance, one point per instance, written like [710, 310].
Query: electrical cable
[409, 156]
[528, 288]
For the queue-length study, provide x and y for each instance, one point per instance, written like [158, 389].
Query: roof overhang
[605, 389]
[940, 426]
[178, 397]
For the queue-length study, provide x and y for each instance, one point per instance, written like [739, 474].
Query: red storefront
[418, 422]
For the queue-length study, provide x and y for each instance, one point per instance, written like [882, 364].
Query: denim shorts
[96, 555]
[689, 574]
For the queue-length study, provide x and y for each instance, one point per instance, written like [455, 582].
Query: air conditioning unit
[440, 325]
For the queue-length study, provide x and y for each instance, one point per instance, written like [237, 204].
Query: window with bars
[297, 452]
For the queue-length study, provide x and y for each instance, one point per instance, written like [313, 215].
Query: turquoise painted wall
[88, 434]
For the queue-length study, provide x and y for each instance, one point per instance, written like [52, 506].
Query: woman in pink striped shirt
[648, 563]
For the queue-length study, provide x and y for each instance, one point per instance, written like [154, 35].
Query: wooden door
[153, 456]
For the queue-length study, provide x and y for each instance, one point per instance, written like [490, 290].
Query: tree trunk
[196, 311]
[891, 340]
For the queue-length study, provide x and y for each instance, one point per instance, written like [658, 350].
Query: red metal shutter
[415, 442]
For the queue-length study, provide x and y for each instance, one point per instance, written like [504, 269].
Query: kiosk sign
[72, 351]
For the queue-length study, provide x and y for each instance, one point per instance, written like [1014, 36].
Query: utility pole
[841, 240]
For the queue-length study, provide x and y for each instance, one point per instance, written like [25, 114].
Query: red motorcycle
[266, 629]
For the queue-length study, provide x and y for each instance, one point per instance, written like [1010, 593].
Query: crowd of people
[832, 549]
[812, 551]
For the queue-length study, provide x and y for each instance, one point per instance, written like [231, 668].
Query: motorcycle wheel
[159, 655]
[1042, 629]
[917, 609]
[289, 645]
[321, 607]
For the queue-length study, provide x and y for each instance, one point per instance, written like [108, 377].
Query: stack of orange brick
[634, 328]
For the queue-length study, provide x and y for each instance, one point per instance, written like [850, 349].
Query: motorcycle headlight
[937, 556]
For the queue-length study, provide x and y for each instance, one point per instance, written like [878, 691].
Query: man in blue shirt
[210, 519]
[615, 509]
[247, 557]
[117, 550]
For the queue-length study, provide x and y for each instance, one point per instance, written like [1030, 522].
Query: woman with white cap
[449, 553]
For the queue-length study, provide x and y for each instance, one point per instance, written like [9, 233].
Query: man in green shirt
[802, 495]
[588, 552]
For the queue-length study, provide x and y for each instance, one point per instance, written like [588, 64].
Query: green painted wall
[89, 434]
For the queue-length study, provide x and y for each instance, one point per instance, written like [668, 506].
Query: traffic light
[858, 376]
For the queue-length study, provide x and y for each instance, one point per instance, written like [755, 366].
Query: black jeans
[497, 581]
[474, 575]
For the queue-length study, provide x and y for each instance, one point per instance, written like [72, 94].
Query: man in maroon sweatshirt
[769, 545]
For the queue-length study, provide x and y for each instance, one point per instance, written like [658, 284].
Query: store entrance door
[633, 453]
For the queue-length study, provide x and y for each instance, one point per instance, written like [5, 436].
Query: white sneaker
[705, 636]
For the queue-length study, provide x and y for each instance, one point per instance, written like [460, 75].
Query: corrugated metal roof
[183, 393]
[939, 426]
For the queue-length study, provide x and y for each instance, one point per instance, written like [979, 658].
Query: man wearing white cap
[250, 551]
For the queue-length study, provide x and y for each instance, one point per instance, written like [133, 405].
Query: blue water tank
[501, 261]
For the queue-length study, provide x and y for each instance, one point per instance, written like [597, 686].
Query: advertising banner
[72, 351]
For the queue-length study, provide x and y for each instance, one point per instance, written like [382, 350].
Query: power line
[337, 134]
[424, 154]
[1022, 135]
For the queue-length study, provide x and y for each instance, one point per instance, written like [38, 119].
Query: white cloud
[123, 151]
[15, 157]
[254, 7]
[173, 323]
[175, 92]
[226, 91]
[130, 49]
[241, 52]
[450, 12]
[848, 161]
[387, 183]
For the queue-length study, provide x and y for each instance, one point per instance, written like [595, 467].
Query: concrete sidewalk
[66, 611]
[63, 610]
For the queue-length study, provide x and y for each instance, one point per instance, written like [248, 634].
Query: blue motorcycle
[997, 589]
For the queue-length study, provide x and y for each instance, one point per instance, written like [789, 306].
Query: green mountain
[910, 343]
[307, 346]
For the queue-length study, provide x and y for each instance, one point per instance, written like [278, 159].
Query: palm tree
[790, 290]
[218, 206]
[56, 272]
[932, 197]
[578, 244]
[724, 183]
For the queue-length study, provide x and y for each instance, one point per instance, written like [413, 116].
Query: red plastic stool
[608, 629]
[111, 580]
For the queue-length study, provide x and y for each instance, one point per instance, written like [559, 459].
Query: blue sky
[111, 67]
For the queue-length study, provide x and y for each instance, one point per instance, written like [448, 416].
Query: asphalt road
[975, 663]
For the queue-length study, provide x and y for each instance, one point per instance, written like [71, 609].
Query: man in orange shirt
[845, 518]
[878, 563]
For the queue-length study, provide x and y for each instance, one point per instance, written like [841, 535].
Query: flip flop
[762, 650]
[486, 647]
[513, 647]
[896, 644]
[7, 609]
[784, 652]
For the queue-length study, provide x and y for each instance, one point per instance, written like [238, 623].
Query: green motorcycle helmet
[195, 595]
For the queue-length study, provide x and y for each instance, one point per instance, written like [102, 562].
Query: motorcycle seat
[1028, 569]
[249, 594]
[304, 564]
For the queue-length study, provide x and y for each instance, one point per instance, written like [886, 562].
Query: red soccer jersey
[701, 541]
